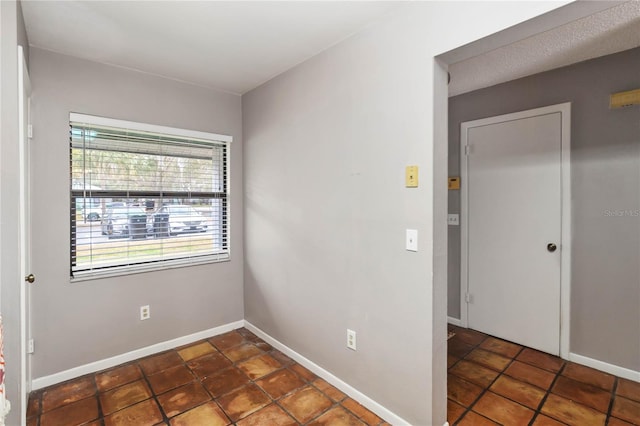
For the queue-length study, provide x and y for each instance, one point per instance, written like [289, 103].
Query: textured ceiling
[231, 46]
[610, 31]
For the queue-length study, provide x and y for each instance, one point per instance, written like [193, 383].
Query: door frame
[24, 85]
[565, 222]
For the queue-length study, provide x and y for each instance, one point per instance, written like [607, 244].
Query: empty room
[327, 213]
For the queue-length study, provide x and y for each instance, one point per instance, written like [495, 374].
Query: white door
[512, 224]
[24, 92]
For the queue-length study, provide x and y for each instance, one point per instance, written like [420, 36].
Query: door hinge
[30, 346]
[468, 298]
[467, 149]
[30, 131]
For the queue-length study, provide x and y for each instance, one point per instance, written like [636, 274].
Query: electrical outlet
[145, 312]
[351, 339]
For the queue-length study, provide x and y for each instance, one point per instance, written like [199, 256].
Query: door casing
[24, 93]
[565, 245]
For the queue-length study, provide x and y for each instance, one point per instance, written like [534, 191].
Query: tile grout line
[614, 389]
[233, 364]
[97, 396]
[536, 412]
[503, 373]
[306, 383]
[468, 409]
[251, 381]
[548, 391]
[154, 396]
[291, 392]
[310, 383]
[277, 401]
[500, 374]
[183, 363]
[331, 407]
[144, 377]
[271, 399]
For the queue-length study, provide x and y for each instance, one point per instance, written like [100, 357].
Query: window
[145, 197]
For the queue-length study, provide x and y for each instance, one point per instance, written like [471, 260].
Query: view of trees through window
[140, 198]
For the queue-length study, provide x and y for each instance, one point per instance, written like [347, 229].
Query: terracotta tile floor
[494, 382]
[235, 378]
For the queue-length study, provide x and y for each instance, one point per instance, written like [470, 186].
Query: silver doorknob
[30, 278]
[551, 247]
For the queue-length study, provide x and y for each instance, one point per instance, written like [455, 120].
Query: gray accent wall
[605, 185]
[75, 323]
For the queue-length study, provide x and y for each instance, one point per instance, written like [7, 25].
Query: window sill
[119, 271]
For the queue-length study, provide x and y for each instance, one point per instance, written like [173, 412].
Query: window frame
[119, 270]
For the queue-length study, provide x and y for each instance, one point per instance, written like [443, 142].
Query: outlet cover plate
[412, 239]
[351, 339]
[145, 312]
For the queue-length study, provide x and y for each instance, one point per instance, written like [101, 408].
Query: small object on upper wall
[411, 177]
[624, 99]
[454, 182]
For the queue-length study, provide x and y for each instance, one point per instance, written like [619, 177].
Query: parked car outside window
[116, 221]
[92, 212]
[183, 218]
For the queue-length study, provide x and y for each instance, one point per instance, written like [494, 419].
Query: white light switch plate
[453, 219]
[412, 239]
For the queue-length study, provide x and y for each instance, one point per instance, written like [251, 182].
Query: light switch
[411, 177]
[412, 239]
[453, 219]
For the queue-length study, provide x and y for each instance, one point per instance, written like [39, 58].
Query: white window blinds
[145, 197]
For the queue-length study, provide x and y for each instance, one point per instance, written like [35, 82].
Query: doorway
[515, 211]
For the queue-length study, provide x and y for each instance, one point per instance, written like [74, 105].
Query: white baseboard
[454, 321]
[606, 367]
[369, 403]
[72, 373]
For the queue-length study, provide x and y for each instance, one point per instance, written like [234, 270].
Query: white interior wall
[326, 208]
